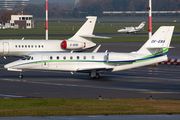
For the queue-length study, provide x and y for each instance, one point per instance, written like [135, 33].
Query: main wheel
[20, 76]
[97, 76]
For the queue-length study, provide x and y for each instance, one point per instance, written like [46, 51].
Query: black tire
[21, 76]
[97, 76]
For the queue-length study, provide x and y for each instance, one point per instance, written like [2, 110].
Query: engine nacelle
[120, 58]
[69, 44]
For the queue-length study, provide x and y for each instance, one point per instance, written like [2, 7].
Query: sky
[51, 1]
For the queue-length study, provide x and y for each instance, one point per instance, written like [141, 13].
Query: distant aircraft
[79, 42]
[132, 29]
[153, 51]
[2, 25]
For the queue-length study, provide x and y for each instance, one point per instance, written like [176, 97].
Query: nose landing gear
[20, 76]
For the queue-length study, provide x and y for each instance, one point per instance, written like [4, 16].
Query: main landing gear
[94, 74]
[21, 76]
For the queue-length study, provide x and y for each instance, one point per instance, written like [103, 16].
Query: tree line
[96, 7]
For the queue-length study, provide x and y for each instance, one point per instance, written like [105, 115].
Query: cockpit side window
[26, 58]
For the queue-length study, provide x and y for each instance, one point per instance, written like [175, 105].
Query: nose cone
[120, 30]
[9, 65]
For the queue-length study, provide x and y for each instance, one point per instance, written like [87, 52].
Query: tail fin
[86, 29]
[141, 25]
[159, 42]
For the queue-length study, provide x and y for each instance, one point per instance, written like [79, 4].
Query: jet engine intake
[72, 45]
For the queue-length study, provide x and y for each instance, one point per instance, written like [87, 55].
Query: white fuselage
[129, 29]
[25, 47]
[80, 62]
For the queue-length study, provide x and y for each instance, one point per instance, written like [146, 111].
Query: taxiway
[160, 82]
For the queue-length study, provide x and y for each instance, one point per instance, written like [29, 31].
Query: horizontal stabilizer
[156, 47]
[94, 36]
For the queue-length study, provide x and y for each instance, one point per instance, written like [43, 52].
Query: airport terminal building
[22, 21]
[10, 4]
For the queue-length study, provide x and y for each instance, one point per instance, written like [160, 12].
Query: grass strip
[65, 106]
[73, 27]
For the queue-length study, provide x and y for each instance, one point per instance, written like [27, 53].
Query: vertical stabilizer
[159, 41]
[141, 25]
[86, 29]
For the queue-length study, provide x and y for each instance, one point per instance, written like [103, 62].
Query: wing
[99, 70]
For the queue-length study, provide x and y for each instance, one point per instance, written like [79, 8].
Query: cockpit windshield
[26, 58]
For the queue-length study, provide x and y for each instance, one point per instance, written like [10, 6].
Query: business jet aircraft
[153, 51]
[2, 25]
[80, 41]
[132, 29]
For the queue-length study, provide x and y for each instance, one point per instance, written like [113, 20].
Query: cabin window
[78, 57]
[32, 46]
[28, 46]
[39, 46]
[92, 57]
[71, 57]
[64, 57]
[16, 46]
[84, 57]
[22, 46]
[57, 57]
[31, 58]
[35, 46]
[42, 46]
[51, 58]
[25, 46]
[19, 46]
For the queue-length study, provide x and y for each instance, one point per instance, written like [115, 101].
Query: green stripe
[165, 50]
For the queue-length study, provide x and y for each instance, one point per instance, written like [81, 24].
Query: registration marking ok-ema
[95, 63]
[81, 41]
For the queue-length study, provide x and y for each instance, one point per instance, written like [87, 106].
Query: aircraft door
[5, 48]
[45, 61]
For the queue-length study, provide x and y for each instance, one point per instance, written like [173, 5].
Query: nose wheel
[20, 76]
